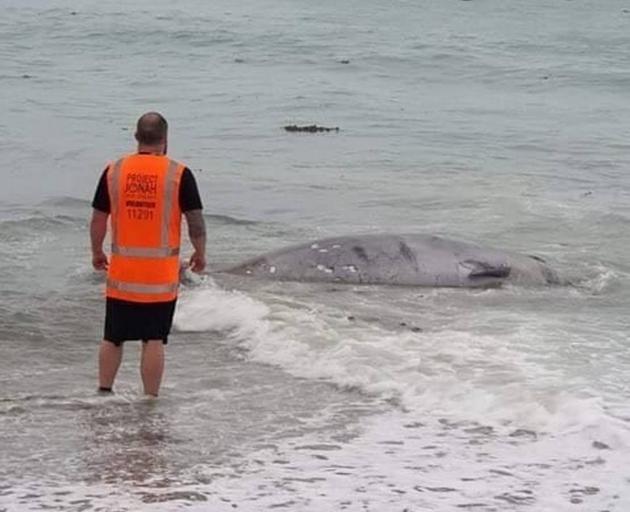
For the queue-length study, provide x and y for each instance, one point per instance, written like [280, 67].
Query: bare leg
[152, 366]
[109, 357]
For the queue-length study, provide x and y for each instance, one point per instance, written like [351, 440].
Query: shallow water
[495, 123]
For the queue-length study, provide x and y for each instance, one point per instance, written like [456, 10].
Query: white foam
[395, 464]
[454, 374]
[212, 309]
[604, 280]
[398, 460]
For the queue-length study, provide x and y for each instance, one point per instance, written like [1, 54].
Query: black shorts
[126, 320]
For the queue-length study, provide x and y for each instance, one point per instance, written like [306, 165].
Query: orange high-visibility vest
[146, 228]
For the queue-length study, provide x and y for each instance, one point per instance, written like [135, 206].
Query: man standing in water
[146, 194]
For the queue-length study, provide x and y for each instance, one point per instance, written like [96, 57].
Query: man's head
[151, 131]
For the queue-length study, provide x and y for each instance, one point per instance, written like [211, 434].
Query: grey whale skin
[410, 260]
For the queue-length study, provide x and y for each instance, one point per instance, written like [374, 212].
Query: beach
[500, 124]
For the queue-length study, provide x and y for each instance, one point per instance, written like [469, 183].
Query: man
[146, 194]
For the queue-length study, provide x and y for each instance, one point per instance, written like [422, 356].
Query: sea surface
[497, 122]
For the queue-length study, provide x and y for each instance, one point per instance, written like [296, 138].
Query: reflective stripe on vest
[141, 288]
[113, 191]
[164, 251]
[145, 252]
[171, 175]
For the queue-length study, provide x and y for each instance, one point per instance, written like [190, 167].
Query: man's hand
[99, 261]
[197, 233]
[197, 262]
[98, 229]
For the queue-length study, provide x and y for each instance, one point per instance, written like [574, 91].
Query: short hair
[151, 128]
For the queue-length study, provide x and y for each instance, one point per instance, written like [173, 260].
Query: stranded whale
[412, 260]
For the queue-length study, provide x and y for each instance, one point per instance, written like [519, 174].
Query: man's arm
[98, 225]
[190, 204]
[197, 234]
[98, 230]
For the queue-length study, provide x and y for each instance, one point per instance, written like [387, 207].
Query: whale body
[411, 260]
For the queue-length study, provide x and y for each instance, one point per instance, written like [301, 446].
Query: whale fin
[479, 269]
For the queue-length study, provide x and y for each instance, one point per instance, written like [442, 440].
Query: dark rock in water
[239, 61]
[600, 446]
[412, 328]
[521, 432]
[344, 61]
[351, 318]
[313, 128]
[26, 77]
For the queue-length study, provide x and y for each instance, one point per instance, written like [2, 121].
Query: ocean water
[495, 122]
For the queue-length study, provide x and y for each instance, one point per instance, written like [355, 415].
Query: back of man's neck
[151, 150]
